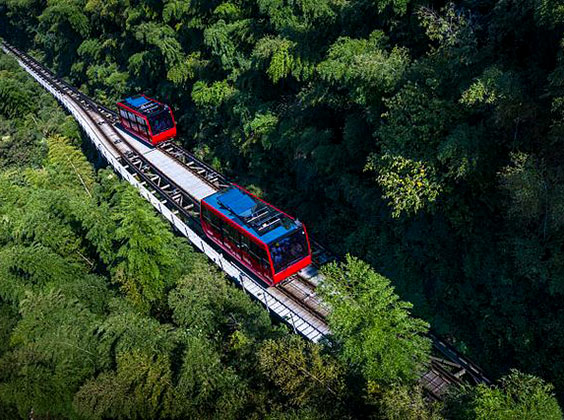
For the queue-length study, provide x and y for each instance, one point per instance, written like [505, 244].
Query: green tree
[206, 385]
[145, 249]
[202, 300]
[161, 371]
[372, 325]
[364, 66]
[400, 402]
[68, 167]
[518, 396]
[303, 373]
[53, 349]
[138, 388]
[15, 98]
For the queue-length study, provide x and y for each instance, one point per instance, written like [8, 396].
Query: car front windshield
[289, 250]
[161, 122]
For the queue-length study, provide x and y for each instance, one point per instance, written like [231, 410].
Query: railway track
[174, 181]
[301, 291]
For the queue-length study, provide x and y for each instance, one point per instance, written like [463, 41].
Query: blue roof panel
[238, 205]
[241, 204]
[137, 101]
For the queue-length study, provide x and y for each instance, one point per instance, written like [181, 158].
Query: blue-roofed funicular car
[147, 118]
[270, 243]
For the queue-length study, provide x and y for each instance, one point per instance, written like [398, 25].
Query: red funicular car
[267, 241]
[147, 118]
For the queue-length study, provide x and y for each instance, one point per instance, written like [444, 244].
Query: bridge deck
[184, 178]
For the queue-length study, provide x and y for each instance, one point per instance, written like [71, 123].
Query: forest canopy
[423, 137]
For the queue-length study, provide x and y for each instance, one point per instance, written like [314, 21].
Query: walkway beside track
[189, 182]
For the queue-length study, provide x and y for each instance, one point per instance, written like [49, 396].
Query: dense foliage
[104, 313]
[520, 396]
[424, 137]
[372, 325]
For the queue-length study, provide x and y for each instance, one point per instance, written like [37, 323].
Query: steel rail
[289, 288]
